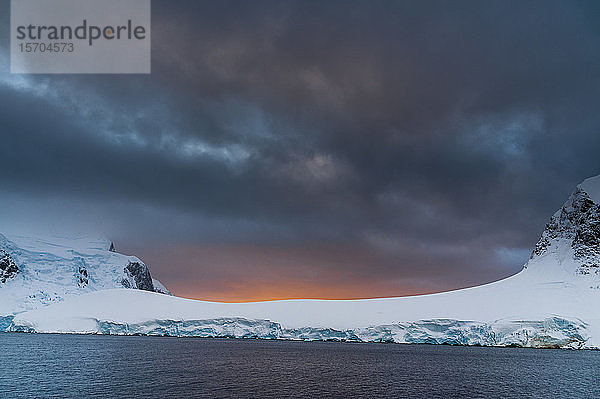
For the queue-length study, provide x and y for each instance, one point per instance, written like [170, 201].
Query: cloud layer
[326, 149]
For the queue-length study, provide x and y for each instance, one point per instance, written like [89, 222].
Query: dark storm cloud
[434, 138]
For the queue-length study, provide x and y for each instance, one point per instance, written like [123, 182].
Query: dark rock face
[8, 267]
[82, 277]
[139, 273]
[578, 221]
[81, 272]
[112, 247]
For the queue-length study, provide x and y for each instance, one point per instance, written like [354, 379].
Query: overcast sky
[329, 149]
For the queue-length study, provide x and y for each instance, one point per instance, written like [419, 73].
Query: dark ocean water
[65, 366]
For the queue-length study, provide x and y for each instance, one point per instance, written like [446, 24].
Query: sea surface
[92, 366]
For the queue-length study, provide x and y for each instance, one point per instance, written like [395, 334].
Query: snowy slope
[40, 271]
[553, 302]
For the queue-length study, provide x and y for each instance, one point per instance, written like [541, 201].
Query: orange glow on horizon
[246, 273]
[288, 291]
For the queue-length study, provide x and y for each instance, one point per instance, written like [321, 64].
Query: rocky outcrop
[82, 277]
[138, 277]
[577, 222]
[160, 288]
[82, 273]
[8, 267]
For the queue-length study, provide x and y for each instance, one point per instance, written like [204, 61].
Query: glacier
[553, 302]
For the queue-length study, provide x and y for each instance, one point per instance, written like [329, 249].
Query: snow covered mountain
[35, 272]
[574, 231]
[553, 302]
